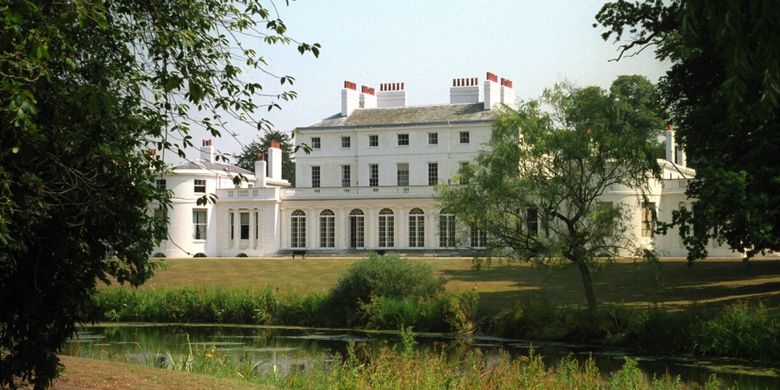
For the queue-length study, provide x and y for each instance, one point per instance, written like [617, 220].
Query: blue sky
[427, 43]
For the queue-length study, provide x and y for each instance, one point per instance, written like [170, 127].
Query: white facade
[369, 182]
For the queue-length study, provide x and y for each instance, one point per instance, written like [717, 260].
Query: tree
[87, 86]
[536, 189]
[723, 93]
[246, 159]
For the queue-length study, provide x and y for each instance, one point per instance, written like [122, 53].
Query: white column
[402, 227]
[283, 243]
[370, 229]
[313, 228]
[342, 228]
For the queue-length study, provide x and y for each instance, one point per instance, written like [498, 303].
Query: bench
[301, 253]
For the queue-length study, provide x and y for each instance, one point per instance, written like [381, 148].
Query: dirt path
[88, 374]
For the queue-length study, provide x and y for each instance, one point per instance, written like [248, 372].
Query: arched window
[386, 228]
[357, 228]
[298, 229]
[416, 228]
[327, 229]
[446, 229]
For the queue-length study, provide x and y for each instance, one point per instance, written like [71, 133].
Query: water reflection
[281, 351]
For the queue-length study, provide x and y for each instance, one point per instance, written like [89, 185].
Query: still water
[283, 350]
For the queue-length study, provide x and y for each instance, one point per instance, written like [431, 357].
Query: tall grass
[404, 367]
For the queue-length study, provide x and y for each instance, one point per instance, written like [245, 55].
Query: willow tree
[536, 188]
[87, 86]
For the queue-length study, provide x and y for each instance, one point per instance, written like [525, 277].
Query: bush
[667, 332]
[741, 330]
[385, 277]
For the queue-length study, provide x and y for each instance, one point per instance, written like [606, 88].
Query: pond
[282, 350]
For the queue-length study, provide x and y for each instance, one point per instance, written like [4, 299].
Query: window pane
[433, 138]
[464, 137]
[373, 140]
[244, 226]
[403, 139]
[346, 175]
[200, 186]
[315, 142]
[199, 224]
[373, 172]
[403, 174]
[433, 174]
[315, 177]
[346, 142]
[532, 220]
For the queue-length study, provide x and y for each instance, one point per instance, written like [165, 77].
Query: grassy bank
[671, 283]
[740, 330]
[404, 367]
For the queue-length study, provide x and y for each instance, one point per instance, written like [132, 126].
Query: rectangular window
[403, 174]
[244, 225]
[200, 186]
[232, 231]
[462, 166]
[199, 224]
[433, 138]
[648, 221]
[161, 216]
[478, 238]
[315, 142]
[346, 175]
[446, 230]
[403, 139]
[532, 221]
[373, 175]
[373, 141]
[346, 142]
[433, 174]
[315, 177]
[464, 137]
[162, 185]
[257, 225]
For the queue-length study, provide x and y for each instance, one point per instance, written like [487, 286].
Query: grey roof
[409, 116]
[203, 164]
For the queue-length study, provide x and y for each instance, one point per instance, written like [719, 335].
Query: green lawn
[674, 284]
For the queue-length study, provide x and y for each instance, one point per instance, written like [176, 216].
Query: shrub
[387, 277]
[741, 330]
[667, 332]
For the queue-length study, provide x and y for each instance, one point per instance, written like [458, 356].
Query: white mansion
[369, 181]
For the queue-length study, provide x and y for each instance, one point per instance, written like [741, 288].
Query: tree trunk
[587, 283]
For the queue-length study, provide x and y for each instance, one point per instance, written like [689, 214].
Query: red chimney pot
[350, 85]
[275, 144]
[492, 77]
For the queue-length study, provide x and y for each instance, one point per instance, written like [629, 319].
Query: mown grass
[670, 283]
